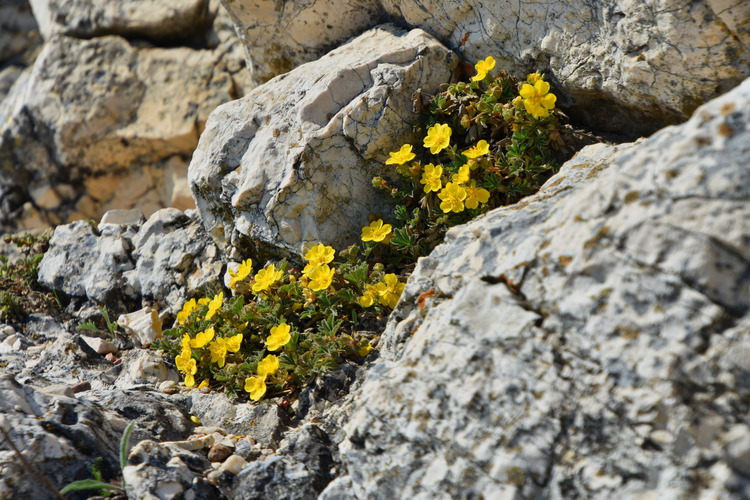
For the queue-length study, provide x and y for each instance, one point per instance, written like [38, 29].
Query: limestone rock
[265, 27]
[577, 341]
[144, 325]
[60, 435]
[160, 262]
[292, 162]
[174, 258]
[82, 263]
[96, 126]
[624, 66]
[152, 19]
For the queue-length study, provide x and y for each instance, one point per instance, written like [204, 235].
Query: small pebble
[234, 464]
[219, 452]
[81, 386]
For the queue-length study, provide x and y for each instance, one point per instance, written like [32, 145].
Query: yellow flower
[368, 299]
[187, 310]
[318, 256]
[480, 149]
[364, 350]
[390, 291]
[256, 386]
[202, 385]
[462, 177]
[534, 77]
[279, 337]
[452, 197]
[265, 278]
[536, 99]
[234, 342]
[186, 364]
[268, 366]
[376, 231]
[203, 301]
[203, 338]
[215, 304]
[401, 156]
[475, 195]
[186, 341]
[431, 178]
[218, 352]
[483, 67]
[242, 272]
[438, 138]
[321, 278]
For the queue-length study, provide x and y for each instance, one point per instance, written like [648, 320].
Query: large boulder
[588, 342]
[622, 66]
[277, 37]
[101, 124]
[164, 20]
[292, 162]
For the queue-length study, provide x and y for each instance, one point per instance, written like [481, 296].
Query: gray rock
[96, 126]
[165, 20]
[264, 28]
[165, 471]
[262, 422]
[174, 258]
[161, 262]
[621, 65]
[60, 435]
[292, 162]
[83, 263]
[579, 342]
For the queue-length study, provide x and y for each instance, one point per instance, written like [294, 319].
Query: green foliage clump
[487, 143]
[19, 289]
[283, 326]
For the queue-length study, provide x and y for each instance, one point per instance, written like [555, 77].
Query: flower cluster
[282, 326]
[485, 143]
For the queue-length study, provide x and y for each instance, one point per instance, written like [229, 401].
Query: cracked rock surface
[292, 162]
[624, 66]
[588, 342]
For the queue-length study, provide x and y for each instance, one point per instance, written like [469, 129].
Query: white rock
[622, 65]
[155, 19]
[99, 345]
[144, 325]
[292, 162]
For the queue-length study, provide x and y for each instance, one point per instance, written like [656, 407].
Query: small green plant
[97, 484]
[90, 326]
[283, 326]
[487, 143]
[20, 293]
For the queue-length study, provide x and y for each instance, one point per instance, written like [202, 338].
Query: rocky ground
[590, 341]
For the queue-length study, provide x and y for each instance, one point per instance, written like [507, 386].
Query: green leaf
[124, 442]
[91, 484]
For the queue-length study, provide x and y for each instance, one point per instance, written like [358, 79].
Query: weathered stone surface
[19, 35]
[624, 66]
[97, 125]
[580, 344]
[60, 435]
[262, 422]
[280, 36]
[122, 266]
[299, 470]
[161, 470]
[165, 20]
[174, 257]
[82, 263]
[292, 162]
